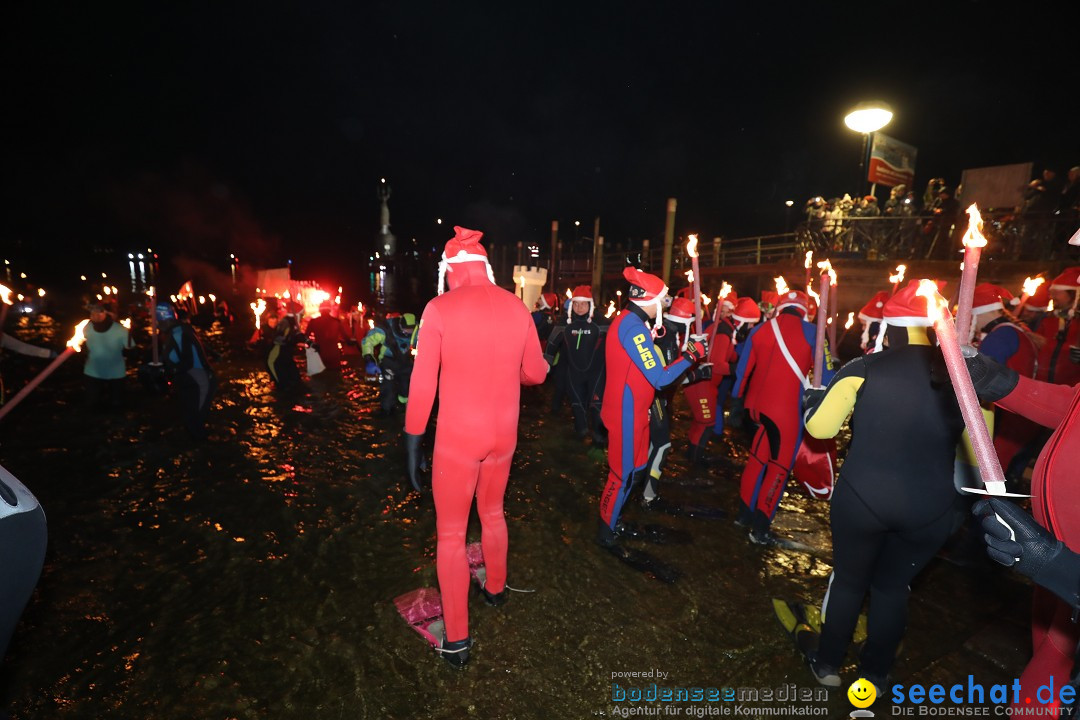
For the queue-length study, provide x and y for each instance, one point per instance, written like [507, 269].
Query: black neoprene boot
[456, 653]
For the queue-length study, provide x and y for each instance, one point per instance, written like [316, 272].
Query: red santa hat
[582, 293]
[746, 311]
[770, 297]
[682, 312]
[795, 299]
[904, 309]
[989, 297]
[1069, 279]
[646, 289]
[462, 248]
[1039, 301]
[730, 300]
[872, 311]
[547, 301]
[686, 292]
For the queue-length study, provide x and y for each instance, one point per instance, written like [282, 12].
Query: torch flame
[41, 292]
[360, 307]
[974, 237]
[258, 308]
[705, 299]
[1050, 306]
[1032, 284]
[781, 284]
[126, 323]
[569, 295]
[811, 293]
[371, 324]
[725, 290]
[150, 291]
[5, 294]
[689, 276]
[107, 290]
[826, 266]
[935, 304]
[213, 298]
[610, 309]
[691, 245]
[76, 341]
[809, 259]
[899, 276]
[850, 320]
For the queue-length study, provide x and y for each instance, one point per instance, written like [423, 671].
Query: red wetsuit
[1055, 497]
[478, 345]
[1054, 363]
[635, 371]
[772, 395]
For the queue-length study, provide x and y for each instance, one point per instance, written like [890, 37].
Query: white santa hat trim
[979, 310]
[901, 321]
[570, 310]
[657, 300]
[461, 257]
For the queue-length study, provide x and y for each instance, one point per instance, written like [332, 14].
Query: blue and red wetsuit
[635, 371]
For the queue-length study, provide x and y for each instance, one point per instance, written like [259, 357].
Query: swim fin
[815, 620]
[645, 563]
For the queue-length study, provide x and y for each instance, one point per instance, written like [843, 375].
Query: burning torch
[1031, 285]
[827, 279]
[897, 278]
[74, 345]
[937, 309]
[691, 250]
[974, 242]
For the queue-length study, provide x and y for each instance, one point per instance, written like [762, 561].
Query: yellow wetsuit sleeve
[830, 414]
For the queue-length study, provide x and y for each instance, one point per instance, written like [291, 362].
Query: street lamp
[867, 118]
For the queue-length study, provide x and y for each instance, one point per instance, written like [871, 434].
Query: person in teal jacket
[105, 368]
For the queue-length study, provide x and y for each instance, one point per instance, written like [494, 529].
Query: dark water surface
[251, 576]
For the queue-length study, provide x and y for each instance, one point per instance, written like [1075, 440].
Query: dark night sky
[263, 128]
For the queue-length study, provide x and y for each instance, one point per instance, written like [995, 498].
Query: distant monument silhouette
[387, 241]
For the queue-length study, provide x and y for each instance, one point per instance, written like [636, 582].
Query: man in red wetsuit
[478, 345]
[771, 375]
[1059, 359]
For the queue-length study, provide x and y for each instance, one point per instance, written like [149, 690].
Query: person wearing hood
[580, 341]
[105, 368]
[477, 345]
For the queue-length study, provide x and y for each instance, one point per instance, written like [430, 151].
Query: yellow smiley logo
[862, 693]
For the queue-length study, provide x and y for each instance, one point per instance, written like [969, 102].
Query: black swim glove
[413, 461]
[812, 397]
[1014, 539]
[992, 380]
[698, 373]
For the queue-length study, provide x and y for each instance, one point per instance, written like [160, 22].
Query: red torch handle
[29, 387]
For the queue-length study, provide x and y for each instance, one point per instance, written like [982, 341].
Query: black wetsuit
[660, 414]
[893, 505]
[580, 346]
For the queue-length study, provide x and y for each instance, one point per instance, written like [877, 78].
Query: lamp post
[867, 118]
